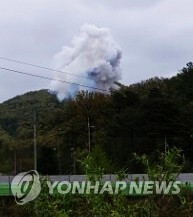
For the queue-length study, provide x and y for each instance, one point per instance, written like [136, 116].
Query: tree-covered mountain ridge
[150, 115]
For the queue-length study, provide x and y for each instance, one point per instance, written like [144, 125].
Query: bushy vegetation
[116, 205]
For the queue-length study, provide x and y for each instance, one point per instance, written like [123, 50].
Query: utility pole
[89, 140]
[59, 161]
[74, 163]
[15, 162]
[165, 145]
[35, 142]
[73, 156]
[89, 133]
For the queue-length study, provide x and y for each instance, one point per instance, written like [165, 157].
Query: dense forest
[150, 116]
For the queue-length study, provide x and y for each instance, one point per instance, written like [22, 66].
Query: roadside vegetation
[90, 205]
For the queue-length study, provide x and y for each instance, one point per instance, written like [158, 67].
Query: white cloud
[155, 36]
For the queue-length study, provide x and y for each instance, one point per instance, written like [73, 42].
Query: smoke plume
[93, 57]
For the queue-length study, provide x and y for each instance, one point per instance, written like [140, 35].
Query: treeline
[153, 115]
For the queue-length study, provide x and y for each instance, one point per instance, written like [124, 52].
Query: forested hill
[144, 117]
[17, 113]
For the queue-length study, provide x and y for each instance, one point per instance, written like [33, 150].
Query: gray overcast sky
[156, 36]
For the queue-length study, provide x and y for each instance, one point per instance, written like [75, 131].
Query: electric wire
[52, 79]
[42, 67]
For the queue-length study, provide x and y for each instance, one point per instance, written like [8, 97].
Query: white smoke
[94, 57]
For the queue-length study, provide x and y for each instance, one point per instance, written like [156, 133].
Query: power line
[53, 79]
[42, 67]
